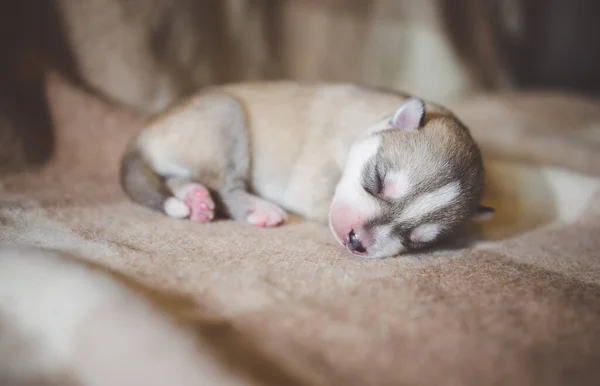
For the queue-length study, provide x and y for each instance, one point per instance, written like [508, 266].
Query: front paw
[265, 214]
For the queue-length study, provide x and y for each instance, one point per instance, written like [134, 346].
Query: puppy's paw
[265, 214]
[176, 208]
[198, 200]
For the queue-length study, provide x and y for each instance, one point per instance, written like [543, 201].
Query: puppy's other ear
[409, 116]
[483, 213]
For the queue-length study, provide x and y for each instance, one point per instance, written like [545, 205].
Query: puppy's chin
[375, 249]
[378, 254]
[348, 217]
[385, 249]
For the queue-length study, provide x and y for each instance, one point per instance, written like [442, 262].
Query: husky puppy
[389, 172]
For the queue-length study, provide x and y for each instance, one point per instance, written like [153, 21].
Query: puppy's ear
[483, 213]
[409, 116]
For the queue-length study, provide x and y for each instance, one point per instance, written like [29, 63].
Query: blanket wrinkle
[289, 306]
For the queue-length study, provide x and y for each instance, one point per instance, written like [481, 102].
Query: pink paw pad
[266, 214]
[202, 207]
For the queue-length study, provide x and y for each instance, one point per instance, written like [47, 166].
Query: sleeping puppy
[389, 172]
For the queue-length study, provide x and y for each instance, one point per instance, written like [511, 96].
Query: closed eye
[374, 186]
[378, 183]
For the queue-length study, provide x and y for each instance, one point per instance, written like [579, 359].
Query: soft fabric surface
[525, 310]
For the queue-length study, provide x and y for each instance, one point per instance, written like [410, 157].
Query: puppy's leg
[252, 209]
[239, 202]
[212, 143]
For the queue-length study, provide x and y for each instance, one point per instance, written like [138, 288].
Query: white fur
[349, 188]
[431, 201]
[385, 244]
[425, 233]
[396, 184]
[176, 208]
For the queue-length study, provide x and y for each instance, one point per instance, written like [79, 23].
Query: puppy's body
[298, 146]
[298, 150]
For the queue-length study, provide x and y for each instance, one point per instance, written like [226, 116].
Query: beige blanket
[288, 306]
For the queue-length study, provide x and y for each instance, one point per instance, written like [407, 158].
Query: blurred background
[146, 54]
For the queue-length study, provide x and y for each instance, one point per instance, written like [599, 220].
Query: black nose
[355, 244]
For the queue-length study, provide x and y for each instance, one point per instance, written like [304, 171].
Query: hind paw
[198, 200]
[265, 214]
[176, 208]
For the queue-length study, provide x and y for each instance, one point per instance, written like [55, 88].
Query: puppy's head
[410, 181]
